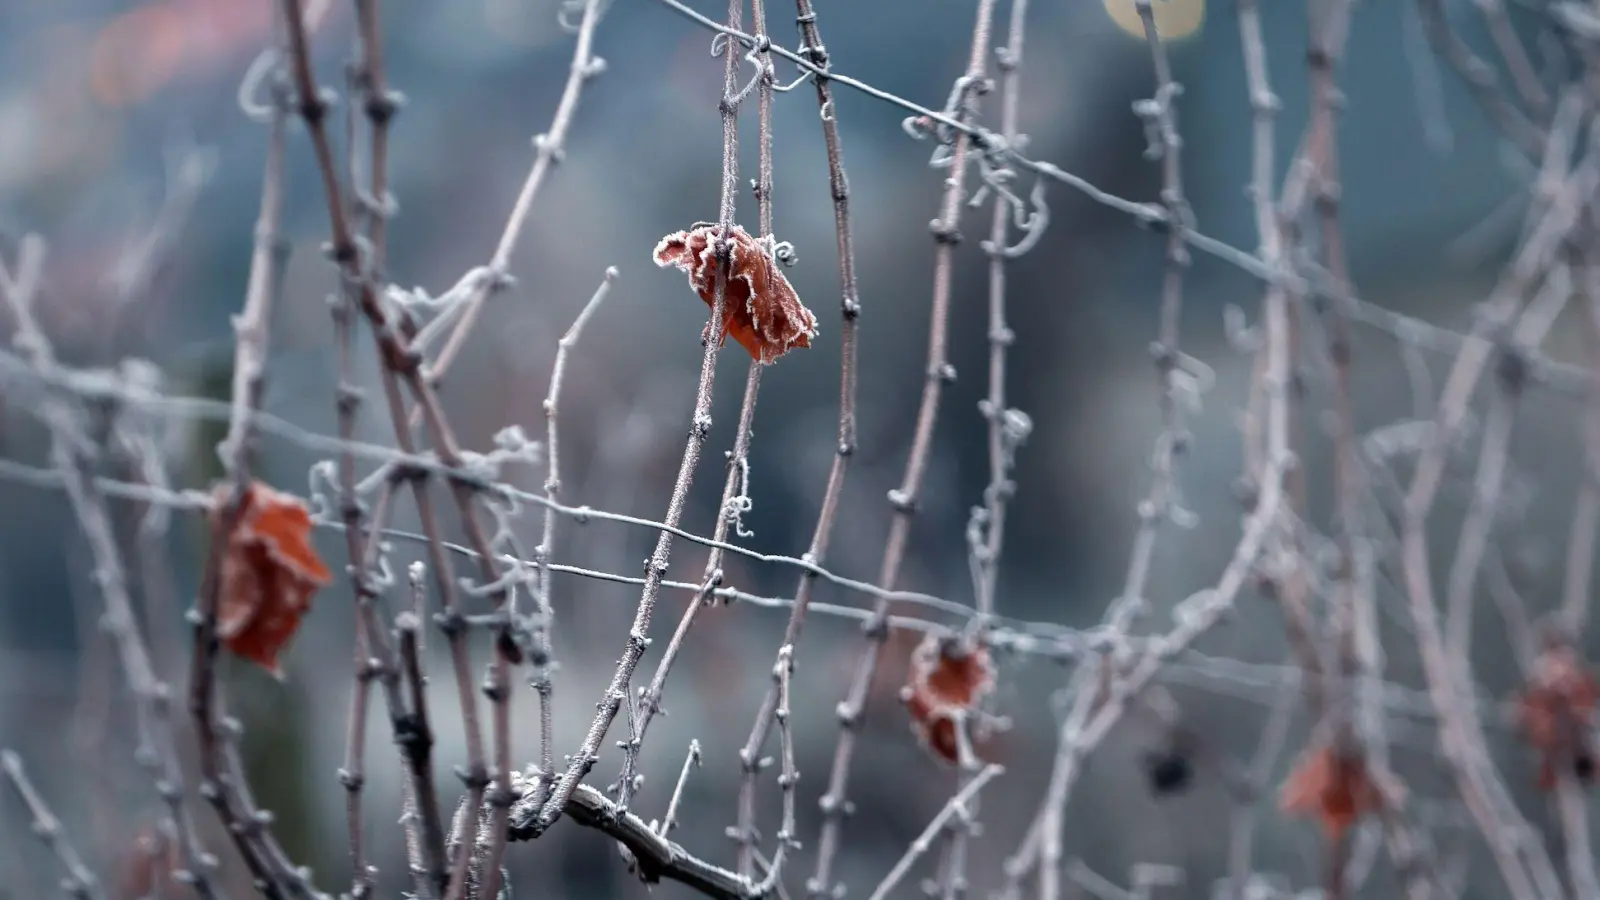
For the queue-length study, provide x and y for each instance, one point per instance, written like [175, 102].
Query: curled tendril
[1242, 336]
[383, 578]
[719, 46]
[263, 67]
[515, 575]
[805, 76]
[1031, 217]
[1189, 380]
[739, 504]
[919, 128]
[323, 483]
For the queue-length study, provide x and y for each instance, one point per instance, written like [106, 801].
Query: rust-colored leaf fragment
[947, 680]
[1334, 788]
[270, 571]
[147, 865]
[760, 308]
[1556, 712]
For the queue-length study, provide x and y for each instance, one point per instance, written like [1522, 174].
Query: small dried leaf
[760, 308]
[1556, 713]
[1334, 788]
[146, 866]
[945, 684]
[270, 571]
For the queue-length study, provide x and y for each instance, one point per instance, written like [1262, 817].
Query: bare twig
[158, 746]
[728, 513]
[946, 235]
[552, 488]
[1524, 866]
[700, 426]
[656, 857]
[955, 808]
[403, 364]
[549, 149]
[691, 760]
[1480, 77]
[414, 734]
[1579, 570]
[822, 533]
[79, 882]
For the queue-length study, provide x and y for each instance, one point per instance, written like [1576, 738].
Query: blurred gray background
[106, 108]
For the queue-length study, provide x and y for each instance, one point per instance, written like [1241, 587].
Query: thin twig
[946, 234]
[655, 857]
[414, 734]
[402, 363]
[552, 488]
[691, 760]
[549, 149]
[728, 513]
[956, 807]
[80, 882]
[700, 426]
[822, 532]
[158, 747]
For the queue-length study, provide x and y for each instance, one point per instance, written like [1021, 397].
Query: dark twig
[656, 858]
[414, 734]
[403, 363]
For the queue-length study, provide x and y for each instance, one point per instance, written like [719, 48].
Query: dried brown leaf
[760, 309]
[1556, 713]
[947, 680]
[270, 571]
[1334, 788]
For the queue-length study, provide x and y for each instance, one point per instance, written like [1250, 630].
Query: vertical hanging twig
[638, 634]
[822, 533]
[946, 234]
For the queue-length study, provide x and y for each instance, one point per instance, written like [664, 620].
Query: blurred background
[123, 144]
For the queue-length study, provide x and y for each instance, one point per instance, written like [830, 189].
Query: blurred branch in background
[1377, 414]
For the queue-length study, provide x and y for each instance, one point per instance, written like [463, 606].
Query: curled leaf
[1335, 788]
[270, 571]
[947, 680]
[760, 308]
[1556, 712]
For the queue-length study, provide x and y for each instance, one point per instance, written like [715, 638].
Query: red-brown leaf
[1334, 788]
[270, 571]
[760, 308]
[1556, 713]
[944, 686]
